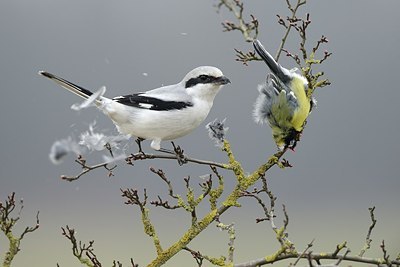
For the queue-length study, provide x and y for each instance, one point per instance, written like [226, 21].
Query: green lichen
[215, 194]
[233, 163]
[86, 262]
[193, 231]
[272, 258]
[12, 250]
[218, 261]
[150, 230]
[231, 200]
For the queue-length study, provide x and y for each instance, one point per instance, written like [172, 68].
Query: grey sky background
[346, 161]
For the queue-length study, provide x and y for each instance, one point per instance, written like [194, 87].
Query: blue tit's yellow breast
[303, 110]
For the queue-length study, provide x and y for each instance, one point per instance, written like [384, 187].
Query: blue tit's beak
[277, 69]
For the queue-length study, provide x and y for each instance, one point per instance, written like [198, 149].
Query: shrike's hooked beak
[222, 80]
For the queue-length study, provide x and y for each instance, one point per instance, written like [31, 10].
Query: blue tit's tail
[282, 73]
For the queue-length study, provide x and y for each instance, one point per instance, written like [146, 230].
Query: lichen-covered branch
[307, 61]
[230, 228]
[132, 198]
[243, 183]
[7, 223]
[283, 254]
[316, 257]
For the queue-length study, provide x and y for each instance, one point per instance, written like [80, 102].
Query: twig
[86, 168]
[246, 57]
[309, 245]
[314, 256]
[133, 198]
[216, 193]
[368, 239]
[200, 258]
[385, 254]
[310, 259]
[339, 247]
[140, 156]
[7, 223]
[344, 255]
[134, 157]
[196, 255]
[164, 204]
[246, 28]
[232, 236]
[80, 250]
[161, 174]
[288, 27]
[269, 213]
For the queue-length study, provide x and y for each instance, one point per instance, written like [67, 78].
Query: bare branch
[289, 25]
[368, 239]
[309, 245]
[340, 259]
[339, 247]
[196, 255]
[249, 30]
[200, 258]
[141, 156]
[316, 257]
[161, 174]
[80, 250]
[86, 168]
[246, 57]
[385, 254]
[164, 204]
[138, 156]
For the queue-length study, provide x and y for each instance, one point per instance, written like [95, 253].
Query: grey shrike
[164, 113]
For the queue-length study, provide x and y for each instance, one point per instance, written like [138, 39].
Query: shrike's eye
[204, 78]
[201, 79]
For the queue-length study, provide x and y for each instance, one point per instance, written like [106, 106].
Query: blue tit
[282, 101]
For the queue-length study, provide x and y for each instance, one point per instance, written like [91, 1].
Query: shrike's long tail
[76, 89]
